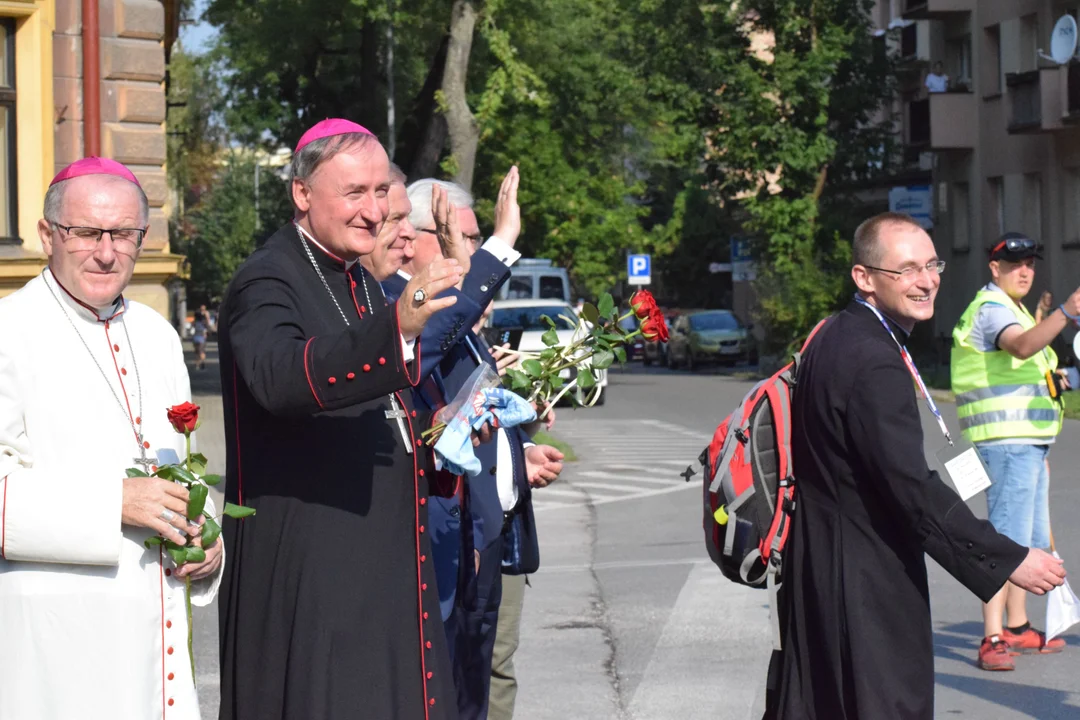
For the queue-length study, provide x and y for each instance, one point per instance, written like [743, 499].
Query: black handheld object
[497, 337]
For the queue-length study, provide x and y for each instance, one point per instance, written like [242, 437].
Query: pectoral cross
[399, 414]
[146, 462]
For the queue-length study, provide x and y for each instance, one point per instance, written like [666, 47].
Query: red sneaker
[994, 654]
[1032, 641]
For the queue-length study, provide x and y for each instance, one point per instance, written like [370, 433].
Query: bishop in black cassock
[329, 605]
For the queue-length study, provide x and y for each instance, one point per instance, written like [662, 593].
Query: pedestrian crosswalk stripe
[601, 475]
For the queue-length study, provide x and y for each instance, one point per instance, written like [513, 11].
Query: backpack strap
[774, 603]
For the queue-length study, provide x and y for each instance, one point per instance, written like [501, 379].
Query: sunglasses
[1017, 244]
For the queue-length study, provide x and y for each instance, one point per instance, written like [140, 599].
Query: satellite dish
[1063, 40]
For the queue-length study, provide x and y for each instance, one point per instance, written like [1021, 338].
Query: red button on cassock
[331, 380]
[363, 308]
[350, 376]
[382, 361]
[423, 558]
[418, 443]
[168, 623]
[138, 421]
[429, 675]
[414, 413]
[123, 371]
[428, 644]
[424, 586]
[425, 616]
[116, 348]
[169, 651]
[431, 701]
[423, 501]
[171, 676]
[146, 444]
[170, 702]
[421, 528]
[421, 473]
[367, 368]
[168, 572]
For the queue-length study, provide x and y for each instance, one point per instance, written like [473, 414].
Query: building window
[1072, 205]
[9, 206]
[1029, 42]
[961, 216]
[958, 56]
[997, 203]
[1033, 206]
[992, 82]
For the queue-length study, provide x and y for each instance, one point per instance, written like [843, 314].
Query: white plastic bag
[1062, 609]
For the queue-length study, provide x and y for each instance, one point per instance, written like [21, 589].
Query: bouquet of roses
[191, 473]
[598, 341]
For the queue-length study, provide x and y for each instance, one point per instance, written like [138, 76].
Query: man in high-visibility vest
[1008, 388]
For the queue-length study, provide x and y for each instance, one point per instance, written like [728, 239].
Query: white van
[536, 279]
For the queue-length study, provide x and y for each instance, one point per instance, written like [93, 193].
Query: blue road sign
[639, 269]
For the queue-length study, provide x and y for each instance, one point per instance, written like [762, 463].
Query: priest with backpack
[855, 603]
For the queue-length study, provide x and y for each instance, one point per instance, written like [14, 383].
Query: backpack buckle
[741, 436]
[789, 506]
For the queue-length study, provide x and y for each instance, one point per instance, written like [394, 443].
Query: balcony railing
[941, 121]
[935, 9]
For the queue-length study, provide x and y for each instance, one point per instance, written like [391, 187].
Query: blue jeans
[1018, 498]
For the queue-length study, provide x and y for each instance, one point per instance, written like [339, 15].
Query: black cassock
[855, 606]
[329, 608]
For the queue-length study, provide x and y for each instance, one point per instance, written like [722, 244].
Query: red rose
[643, 304]
[654, 327]
[184, 417]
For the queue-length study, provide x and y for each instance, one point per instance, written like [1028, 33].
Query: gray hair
[54, 201]
[397, 175]
[315, 153]
[420, 197]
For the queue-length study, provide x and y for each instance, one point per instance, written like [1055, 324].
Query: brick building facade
[53, 117]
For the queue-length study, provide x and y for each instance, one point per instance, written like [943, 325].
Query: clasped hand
[145, 502]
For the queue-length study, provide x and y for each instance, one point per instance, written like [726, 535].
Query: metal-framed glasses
[125, 240]
[476, 240]
[934, 267]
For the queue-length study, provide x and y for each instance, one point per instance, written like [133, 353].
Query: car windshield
[528, 318]
[714, 321]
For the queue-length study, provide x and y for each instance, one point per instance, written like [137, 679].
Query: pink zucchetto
[94, 166]
[329, 128]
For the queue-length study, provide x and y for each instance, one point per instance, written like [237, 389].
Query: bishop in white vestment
[92, 623]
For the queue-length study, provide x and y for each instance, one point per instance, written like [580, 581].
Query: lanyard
[911, 368]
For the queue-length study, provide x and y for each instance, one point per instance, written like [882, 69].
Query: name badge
[964, 469]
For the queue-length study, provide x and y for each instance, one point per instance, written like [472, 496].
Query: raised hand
[507, 211]
[451, 241]
[1040, 572]
[414, 311]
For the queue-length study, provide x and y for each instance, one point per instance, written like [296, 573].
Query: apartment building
[999, 148]
[75, 84]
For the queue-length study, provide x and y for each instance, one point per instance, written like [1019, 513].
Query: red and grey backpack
[749, 485]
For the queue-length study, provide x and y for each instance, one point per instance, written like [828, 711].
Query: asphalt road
[627, 618]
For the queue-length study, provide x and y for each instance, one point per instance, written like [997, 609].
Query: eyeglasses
[476, 240]
[125, 240]
[934, 267]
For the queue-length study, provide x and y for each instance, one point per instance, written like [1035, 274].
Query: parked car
[710, 336]
[526, 315]
[636, 348]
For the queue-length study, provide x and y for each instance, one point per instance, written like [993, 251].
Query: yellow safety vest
[999, 396]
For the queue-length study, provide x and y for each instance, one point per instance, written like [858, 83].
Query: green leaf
[550, 323]
[165, 472]
[590, 313]
[211, 480]
[613, 337]
[194, 554]
[178, 553]
[550, 338]
[607, 306]
[520, 379]
[533, 367]
[135, 472]
[238, 511]
[197, 466]
[153, 541]
[548, 354]
[183, 475]
[199, 458]
[603, 359]
[196, 500]
[620, 353]
[585, 378]
[556, 382]
[210, 532]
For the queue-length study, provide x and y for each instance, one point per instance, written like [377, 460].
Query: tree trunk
[423, 134]
[464, 133]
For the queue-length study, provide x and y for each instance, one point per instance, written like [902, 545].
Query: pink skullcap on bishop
[329, 128]
[94, 166]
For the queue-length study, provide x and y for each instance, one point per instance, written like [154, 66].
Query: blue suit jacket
[439, 340]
